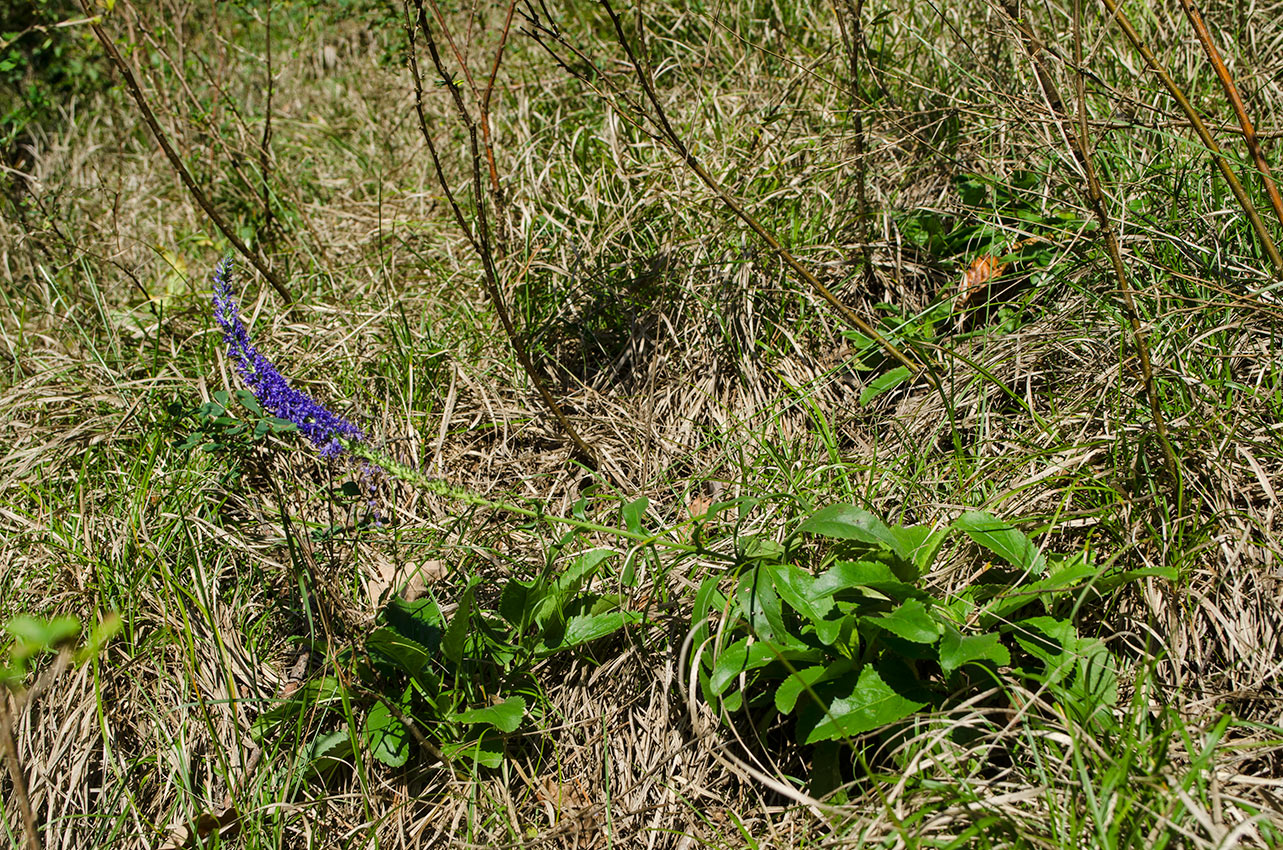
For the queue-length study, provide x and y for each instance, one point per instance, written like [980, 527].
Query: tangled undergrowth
[841, 424]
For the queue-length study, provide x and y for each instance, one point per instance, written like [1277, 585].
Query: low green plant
[861, 642]
[452, 686]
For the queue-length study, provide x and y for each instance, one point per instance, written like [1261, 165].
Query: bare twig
[1231, 91]
[1222, 164]
[1076, 141]
[264, 147]
[479, 237]
[659, 117]
[136, 92]
[17, 776]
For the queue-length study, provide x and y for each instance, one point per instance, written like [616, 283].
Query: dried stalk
[149, 117]
[1231, 91]
[1076, 141]
[480, 237]
[659, 117]
[1222, 164]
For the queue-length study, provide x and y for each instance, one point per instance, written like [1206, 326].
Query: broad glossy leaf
[409, 655]
[911, 620]
[421, 621]
[957, 649]
[796, 586]
[871, 705]
[759, 603]
[1003, 539]
[847, 522]
[505, 716]
[922, 542]
[386, 736]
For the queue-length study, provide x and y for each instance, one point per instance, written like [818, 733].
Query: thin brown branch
[17, 776]
[1231, 91]
[660, 118]
[149, 117]
[1095, 196]
[1222, 164]
[479, 237]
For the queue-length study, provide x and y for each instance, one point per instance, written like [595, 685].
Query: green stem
[467, 497]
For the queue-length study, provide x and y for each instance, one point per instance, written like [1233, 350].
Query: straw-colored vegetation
[703, 271]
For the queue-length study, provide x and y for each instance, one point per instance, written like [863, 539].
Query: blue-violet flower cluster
[323, 427]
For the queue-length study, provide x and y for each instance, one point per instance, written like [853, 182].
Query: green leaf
[759, 603]
[505, 716]
[886, 381]
[386, 736]
[584, 628]
[796, 586]
[582, 568]
[871, 705]
[486, 751]
[107, 628]
[1003, 539]
[922, 542]
[957, 650]
[850, 575]
[1052, 641]
[847, 522]
[329, 751]
[738, 658]
[456, 634]
[420, 621]
[635, 513]
[247, 400]
[796, 684]
[910, 620]
[519, 601]
[38, 635]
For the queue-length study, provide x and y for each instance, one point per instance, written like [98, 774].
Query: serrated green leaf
[871, 705]
[957, 649]
[1003, 539]
[910, 620]
[328, 752]
[886, 381]
[796, 586]
[847, 522]
[786, 695]
[386, 736]
[505, 716]
[420, 621]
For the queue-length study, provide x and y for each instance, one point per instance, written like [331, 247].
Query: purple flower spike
[323, 427]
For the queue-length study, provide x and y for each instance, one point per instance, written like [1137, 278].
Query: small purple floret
[323, 427]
